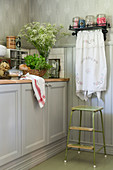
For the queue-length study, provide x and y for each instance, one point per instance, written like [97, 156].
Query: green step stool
[93, 110]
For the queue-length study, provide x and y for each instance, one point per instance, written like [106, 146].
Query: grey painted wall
[13, 15]
[62, 12]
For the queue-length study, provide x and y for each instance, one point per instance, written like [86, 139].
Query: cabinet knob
[46, 84]
[50, 85]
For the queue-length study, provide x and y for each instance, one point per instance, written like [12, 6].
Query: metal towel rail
[95, 26]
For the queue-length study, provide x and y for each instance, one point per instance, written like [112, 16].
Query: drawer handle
[46, 84]
[50, 85]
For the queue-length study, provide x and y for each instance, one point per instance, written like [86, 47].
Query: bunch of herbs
[37, 62]
[42, 36]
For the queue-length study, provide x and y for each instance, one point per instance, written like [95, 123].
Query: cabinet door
[10, 123]
[57, 110]
[33, 121]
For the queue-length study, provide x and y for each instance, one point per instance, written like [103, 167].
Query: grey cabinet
[24, 126]
[43, 126]
[57, 110]
[10, 123]
[34, 131]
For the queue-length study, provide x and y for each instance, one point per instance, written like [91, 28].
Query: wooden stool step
[81, 128]
[80, 146]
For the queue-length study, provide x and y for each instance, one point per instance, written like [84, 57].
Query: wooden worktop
[3, 81]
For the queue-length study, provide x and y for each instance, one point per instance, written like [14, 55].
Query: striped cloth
[38, 84]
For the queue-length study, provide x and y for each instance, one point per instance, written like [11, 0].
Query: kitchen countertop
[4, 81]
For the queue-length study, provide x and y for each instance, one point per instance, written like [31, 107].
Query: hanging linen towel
[91, 68]
[38, 84]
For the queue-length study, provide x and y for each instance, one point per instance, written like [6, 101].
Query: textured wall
[13, 15]
[62, 11]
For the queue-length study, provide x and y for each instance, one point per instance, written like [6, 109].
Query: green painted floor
[82, 161]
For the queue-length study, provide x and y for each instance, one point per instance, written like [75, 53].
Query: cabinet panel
[57, 104]
[24, 126]
[10, 123]
[33, 121]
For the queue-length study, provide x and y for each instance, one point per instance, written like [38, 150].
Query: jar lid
[90, 16]
[101, 15]
[76, 19]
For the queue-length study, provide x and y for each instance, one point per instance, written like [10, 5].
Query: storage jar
[75, 22]
[11, 42]
[89, 20]
[101, 20]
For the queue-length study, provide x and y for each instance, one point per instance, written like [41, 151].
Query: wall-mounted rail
[95, 26]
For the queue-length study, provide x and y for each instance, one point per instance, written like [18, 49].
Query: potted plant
[42, 36]
[35, 64]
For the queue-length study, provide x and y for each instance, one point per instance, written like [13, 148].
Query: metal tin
[81, 23]
[11, 43]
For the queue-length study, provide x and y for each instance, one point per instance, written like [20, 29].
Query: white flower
[42, 36]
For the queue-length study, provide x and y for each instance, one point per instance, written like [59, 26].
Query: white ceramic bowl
[3, 51]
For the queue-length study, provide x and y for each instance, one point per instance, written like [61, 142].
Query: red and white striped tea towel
[38, 84]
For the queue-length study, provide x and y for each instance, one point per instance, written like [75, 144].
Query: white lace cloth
[91, 69]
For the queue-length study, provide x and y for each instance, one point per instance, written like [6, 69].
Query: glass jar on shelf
[75, 22]
[101, 20]
[89, 20]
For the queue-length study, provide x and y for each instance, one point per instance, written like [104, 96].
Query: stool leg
[103, 133]
[65, 160]
[93, 118]
[80, 130]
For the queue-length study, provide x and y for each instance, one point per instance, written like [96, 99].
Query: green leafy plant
[37, 62]
[42, 36]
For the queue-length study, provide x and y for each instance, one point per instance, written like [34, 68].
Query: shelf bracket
[104, 29]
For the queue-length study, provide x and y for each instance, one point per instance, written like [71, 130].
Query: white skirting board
[32, 159]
